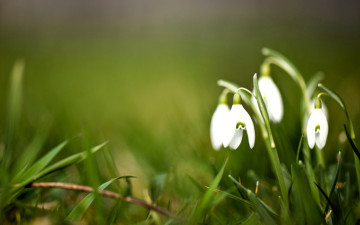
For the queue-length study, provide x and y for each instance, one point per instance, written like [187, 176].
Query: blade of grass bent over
[341, 103]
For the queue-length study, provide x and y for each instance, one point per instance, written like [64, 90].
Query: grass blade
[79, 210]
[339, 100]
[299, 148]
[229, 195]
[76, 158]
[253, 219]
[13, 114]
[263, 111]
[327, 200]
[260, 207]
[353, 145]
[156, 185]
[39, 165]
[334, 182]
[205, 201]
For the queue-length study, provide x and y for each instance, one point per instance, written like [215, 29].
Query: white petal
[272, 98]
[217, 125]
[324, 127]
[249, 127]
[230, 125]
[310, 130]
[235, 142]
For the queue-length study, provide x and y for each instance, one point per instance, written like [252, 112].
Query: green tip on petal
[317, 103]
[237, 99]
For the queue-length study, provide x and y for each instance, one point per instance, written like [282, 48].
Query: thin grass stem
[105, 193]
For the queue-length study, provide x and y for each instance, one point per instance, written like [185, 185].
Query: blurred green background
[143, 74]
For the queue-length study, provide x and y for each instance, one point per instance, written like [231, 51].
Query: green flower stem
[285, 64]
[270, 141]
[338, 99]
[281, 61]
[320, 157]
[272, 151]
[341, 103]
[311, 175]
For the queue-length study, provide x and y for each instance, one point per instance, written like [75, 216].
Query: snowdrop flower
[317, 127]
[312, 108]
[238, 120]
[218, 124]
[272, 98]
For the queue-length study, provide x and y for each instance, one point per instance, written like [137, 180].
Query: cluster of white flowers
[227, 125]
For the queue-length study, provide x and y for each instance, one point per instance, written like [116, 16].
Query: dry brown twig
[104, 193]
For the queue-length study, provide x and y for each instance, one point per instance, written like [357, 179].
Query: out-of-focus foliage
[143, 76]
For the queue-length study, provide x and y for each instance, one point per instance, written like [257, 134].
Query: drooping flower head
[217, 125]
[272, 98]
[317, 127]
[238, 120]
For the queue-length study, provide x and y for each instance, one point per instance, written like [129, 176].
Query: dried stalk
[105, 193]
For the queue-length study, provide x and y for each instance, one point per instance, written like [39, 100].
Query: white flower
[217, 125]
[317, 129]
[272, 98]
[238, 121]
[312, 107]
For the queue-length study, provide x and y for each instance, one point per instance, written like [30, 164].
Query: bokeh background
[142, 74]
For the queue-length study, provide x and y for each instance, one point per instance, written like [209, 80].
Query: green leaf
[283, 63]
[229, 195]
[206, 199]
[13, 114]
[79, 210]
[274, 158]
[339, 100]
[352, 143]
[76, 158]
[30, 153]
[253, 219]
[313, 83]
[257, 205]
[334, 182]
[311, 174]
[299, 148]
[263, 111]
[39, 165]
[186, 204]
[304, 207]
[156, 185]
[328, 201]
[71, 160]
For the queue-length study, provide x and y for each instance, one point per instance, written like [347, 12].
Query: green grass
[151, 96]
